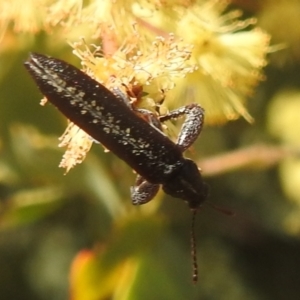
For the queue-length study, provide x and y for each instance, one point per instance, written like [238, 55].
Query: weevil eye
[188, 185]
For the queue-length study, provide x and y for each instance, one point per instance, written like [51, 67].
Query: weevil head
[187, 184]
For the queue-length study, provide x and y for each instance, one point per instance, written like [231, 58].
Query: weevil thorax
[187, 184]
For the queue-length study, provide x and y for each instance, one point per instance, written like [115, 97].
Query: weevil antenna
[223, 210]
[194, 247]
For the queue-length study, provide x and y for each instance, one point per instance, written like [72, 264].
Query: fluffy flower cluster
[155, 50]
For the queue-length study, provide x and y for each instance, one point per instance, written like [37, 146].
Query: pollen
[229, 59]
[155, 67]
[152, 51]
[78, 144]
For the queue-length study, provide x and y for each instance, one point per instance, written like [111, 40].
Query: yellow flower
[149, 47]
[228, 59]
[149, 72]
[36, 15]
[78, 144]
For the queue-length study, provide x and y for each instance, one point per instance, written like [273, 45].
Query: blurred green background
[48, 218]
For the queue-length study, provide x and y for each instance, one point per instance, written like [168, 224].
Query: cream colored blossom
[78, 143]
[150, 47]
[157, 64]
[36, 15]
[153, 70]
[228, 58]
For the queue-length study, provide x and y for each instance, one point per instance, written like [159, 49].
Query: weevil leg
[150, 118]
[192, 125]
[143, 191]
[121, 95]
[145, 114]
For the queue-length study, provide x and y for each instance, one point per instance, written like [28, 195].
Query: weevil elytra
[107, 118]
